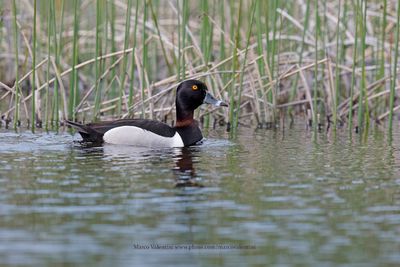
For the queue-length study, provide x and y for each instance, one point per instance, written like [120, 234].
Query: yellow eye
[194, 87]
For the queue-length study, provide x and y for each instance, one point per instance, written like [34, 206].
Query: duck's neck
[183, 117]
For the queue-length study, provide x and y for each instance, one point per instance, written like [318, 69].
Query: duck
[190, 94]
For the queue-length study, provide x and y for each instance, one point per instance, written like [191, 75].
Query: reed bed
[332, 63]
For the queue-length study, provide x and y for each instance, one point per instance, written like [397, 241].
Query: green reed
[255, 60]
[16, 83]
[183, 17]
[272, 44]
[133, 54]
[302, 48]
[363, 113]
[125, 58]
[382, 61]
[111, 6]
[235, 66]
[73, 85]
[222, 48]
[260, 62]
[353, 76]
[345, 18]
[315, 91]
[49, 35]
[205, 42]
[100, 5]
[205, 32]
[58, 46]
[394, 75]
[145, 57]
[236, 118]
[337, 71]
[155, 20]
[33, 68]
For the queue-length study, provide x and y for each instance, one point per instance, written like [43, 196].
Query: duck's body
[141, 132]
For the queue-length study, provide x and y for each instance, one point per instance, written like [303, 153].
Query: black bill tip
[210, 99]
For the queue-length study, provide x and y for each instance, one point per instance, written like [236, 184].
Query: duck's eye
[194, 87]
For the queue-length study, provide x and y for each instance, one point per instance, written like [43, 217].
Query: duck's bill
[209, 99]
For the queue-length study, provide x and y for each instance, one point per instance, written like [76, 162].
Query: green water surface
[265, 198]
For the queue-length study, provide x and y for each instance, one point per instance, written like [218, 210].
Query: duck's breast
[136, 136]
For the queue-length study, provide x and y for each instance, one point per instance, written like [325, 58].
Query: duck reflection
[185, 173]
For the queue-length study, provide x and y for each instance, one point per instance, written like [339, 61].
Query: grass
[15, 89]
[73, 85]
[33, 112]
[393, 81]
[268, 59]
[315, 91]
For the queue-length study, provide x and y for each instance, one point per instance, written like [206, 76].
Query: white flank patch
[135, 136]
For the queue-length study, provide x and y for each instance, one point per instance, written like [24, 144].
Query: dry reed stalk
[285, 39]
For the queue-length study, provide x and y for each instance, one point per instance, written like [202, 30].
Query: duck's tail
[78, 126]
[88, 133]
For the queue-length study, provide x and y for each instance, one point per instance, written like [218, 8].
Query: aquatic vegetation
[332, 62]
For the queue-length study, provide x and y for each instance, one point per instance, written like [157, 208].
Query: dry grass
[265, 67]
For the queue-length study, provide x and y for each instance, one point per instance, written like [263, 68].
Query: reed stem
[125, 58]
[353, 76]
[16, 83]
[33, 68]
[98, 53]
[131, 85]
[236, 122]
[235, 64]
[144, 58]
[337, 71]
[394, 75]
[315, 92]
[363, 113]
[73, 91]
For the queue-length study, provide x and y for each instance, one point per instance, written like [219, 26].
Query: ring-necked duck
[190, 94]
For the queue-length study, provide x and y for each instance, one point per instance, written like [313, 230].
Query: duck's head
[191, 94]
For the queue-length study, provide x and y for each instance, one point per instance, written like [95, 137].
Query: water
[264, 198]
